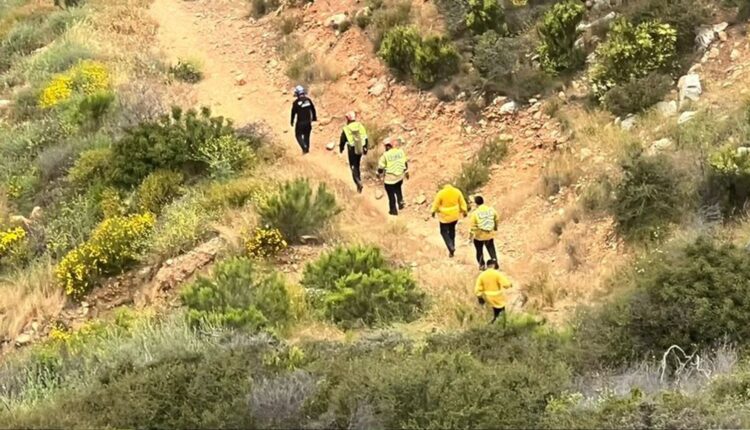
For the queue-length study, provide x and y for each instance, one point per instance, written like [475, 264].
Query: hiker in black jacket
[303, 110]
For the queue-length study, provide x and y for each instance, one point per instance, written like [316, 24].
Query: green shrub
[682, 15]
[648, 198]
[355, 285]
[182, 225]
[114, 245]
[558, 33]
[239, 295]
[69, 224]
[172, 143]
[485, 15]
[638, 94]
[386, 16]
[295, 211]
[224, 155]
[186, 71]
[157, 190]
[728, 181]
[475, 173]
[632, 52]
[694, 297]
[424, 60]
[91, 167]
[93, 108]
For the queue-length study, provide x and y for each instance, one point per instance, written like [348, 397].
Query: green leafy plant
[728, 180]
[239, 295]
[91, 166]
[158, 189]
[426, 61]
[648, 198]
[187, 71]
[356, 285]
[485, 15]
[94, 107]
[173, 142]
[296, 211]
[632, 52]
[637, 95]
[558, 33]
[224, 155]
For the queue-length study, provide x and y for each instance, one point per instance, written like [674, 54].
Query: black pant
[354, 161]
[395, 197]
[448, 231]
[496, 313]
[479, 245]
[302, 132]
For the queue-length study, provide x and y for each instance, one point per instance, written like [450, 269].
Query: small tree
[296, 211]
[558, 31]
[485, 15]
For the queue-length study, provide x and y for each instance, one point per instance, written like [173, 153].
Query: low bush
[682, 15]
[157, 190]
[94, 107]
[88, 77]
[69, 224]
[558, 33]
[694, 296]
[182, 225]
[637, 95]
[425, 60]
[475, 173]
[236, 193]
[173, 142]
[239, 295]
[265, 243]
[648, 198]
[296, 211]
[224, 155]
[186, 71]
[728, 179]
[114, 245]
[485, 15]
[258, 8]
[386, 16]
[356, 285]
[631, 52]
[92, 166]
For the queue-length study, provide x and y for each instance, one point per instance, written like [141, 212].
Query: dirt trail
[183, 33]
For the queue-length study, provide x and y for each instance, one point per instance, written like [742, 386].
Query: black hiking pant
[354, 163]
[302, 133]
[448, 231]
[479, 245]
[496, 312]
[395, 197]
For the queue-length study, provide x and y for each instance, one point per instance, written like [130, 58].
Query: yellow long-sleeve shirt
[484, 223]
[449, 204]
[490, 285]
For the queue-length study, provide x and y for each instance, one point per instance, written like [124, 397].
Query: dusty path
[186, 34]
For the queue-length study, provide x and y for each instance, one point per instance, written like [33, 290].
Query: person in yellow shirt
[483, 227]
[393, 167]
[450, 205]
[489, 289]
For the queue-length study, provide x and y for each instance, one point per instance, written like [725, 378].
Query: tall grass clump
[476, 172]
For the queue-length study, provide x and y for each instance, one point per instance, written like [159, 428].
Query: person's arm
[479, 290]
[505, 282]
[312, 109]
[367, 143]
[462, 203]
[474, 225]
[342, 141]
[294, 113]
[436, 204]
[497, 219]
[381, 165]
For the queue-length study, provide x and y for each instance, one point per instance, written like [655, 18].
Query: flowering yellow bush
[265, 243]
[114, 244]
[9, 239]
[87, 77]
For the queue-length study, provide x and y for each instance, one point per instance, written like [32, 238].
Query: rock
[533, 101]
[629, 122]
[378, 194]
[690, 88]
[686, 116]
[35, 326]
[561, 95]
[239, 80]
[84, 304]
[309, 240]
[706, 35]
[743, 150]
[667, 109]
[505, 137]
[5, 104]
[583, 26]
[330, 146]
[723, 36]
[585, 154]
[661, 145]
[420, 200]
[714, 53]
[721, 27]
[377, 89]
[735, 55]
[340, 21]
[509, 108]
[23, 339]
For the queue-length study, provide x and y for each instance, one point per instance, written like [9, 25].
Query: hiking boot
[392, 213]
[401, 205]
[451, 253]
[360, 188]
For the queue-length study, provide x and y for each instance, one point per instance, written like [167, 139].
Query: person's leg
[445, 232]
[490, 244]
[400, 194]
[299, 134]
[496, 313]
[479, 246]
[307, 131]
[452, 235]
[354, 162]
[390, 189]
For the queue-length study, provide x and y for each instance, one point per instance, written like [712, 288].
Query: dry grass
[29, 294]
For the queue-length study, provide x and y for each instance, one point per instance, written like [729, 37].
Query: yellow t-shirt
[490, 285]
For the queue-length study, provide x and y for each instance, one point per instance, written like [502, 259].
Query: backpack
[359, 141]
